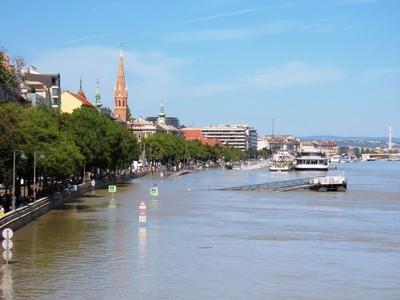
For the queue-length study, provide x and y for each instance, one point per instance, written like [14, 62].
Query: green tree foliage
[103, 143]
[170, 149]
[62, 142]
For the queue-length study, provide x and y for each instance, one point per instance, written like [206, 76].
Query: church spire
[97, 101]
[80, 92]
[80, 85]
[121, 91]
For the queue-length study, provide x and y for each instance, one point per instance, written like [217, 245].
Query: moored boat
[281, 161]
[311, 160]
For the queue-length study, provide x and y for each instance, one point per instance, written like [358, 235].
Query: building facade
[71, 101]
[278, 142]
[242, 137]
[171, 121]
[121, 92]
[192, 134]
[41, 88]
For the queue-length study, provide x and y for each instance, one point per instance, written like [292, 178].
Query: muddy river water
[199, 243]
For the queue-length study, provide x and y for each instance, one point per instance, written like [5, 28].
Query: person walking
[93, 184]
[1, 211]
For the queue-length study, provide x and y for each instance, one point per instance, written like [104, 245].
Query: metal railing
[274, 186]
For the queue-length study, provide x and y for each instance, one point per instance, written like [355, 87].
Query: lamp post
[34, 173]
[34, 176]
[84, 171]
[13, 185]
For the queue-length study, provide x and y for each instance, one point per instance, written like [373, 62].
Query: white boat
[335, 159]
[252, 165]
[281, 161]
[311, 160]
[394, 157]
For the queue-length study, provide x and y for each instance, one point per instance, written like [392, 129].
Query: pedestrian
[93, 184]
[1, 211]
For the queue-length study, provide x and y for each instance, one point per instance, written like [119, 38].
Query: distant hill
[358, 141]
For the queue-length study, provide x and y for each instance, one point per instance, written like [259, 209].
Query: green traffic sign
[154, 191]
[112, 188]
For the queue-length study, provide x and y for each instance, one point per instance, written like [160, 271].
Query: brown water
[205, 244]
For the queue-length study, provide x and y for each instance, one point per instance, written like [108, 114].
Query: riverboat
[281, 161]
[311, 160]
[335, 159]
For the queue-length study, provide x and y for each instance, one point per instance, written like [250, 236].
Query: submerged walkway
[275, 186]
[25, 214]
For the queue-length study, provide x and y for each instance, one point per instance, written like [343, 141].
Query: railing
[57, 198]
[274, 186]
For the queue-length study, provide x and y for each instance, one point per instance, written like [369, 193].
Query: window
[54, 92]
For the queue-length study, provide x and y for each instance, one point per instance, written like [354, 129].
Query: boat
[281, 161]
[328, 184]
[311, 160]
[394, 157]
[252, 165]
[367, 157]
[334, 159]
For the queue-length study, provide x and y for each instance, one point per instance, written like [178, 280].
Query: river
[199, 243]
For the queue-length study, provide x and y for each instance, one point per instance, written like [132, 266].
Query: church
[138, 126]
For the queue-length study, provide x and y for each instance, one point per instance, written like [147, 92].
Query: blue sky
[316, 67]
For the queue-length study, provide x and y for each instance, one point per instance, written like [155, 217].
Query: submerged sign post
[112, 189]
[153, 191]
[7, 244]
[142, 212]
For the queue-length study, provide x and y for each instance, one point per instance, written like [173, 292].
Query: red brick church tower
[121, 92]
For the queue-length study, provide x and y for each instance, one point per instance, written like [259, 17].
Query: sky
[315, 67]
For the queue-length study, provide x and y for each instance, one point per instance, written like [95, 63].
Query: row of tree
[62, 143]
[172, 150]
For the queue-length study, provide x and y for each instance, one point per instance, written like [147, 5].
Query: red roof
[191, 134]
[85, 102]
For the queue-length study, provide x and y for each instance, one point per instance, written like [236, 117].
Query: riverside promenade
[25, 214]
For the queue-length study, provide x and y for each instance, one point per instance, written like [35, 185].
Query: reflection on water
[199, 243]
[6, 285]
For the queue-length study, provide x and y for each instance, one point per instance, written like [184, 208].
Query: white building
[242, 137]
[278, 142]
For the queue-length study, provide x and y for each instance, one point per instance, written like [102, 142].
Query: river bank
[27, 213]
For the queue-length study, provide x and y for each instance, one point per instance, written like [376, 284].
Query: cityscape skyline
[333, 69]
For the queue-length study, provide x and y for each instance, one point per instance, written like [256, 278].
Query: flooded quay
[200, 243]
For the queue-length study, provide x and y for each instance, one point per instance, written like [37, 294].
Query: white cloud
[154, 77]
[220, 16]
[226, 34]
[357, 1]
[241, 33]
[150, 76]
[294, 74]
[382, 72]
[85, 38]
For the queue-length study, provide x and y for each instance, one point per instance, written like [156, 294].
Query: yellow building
[71, 101]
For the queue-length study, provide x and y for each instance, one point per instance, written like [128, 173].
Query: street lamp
[13, 185]
[34, 173]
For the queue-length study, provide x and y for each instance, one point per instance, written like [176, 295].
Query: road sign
[7, 233]
[142, 205]
[142, 216]
[154, 191]
[7, 244]
[112, 188]
[7, 255]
